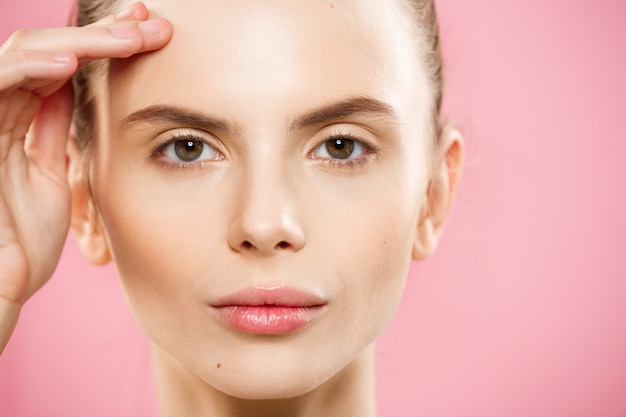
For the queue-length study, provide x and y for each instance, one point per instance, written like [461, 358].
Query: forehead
[238, 51]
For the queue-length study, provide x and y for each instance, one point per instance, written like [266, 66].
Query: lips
[275, 310]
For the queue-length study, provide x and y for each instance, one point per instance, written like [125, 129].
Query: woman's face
[260, 181]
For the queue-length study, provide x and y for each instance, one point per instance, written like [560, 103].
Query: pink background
[522, 312]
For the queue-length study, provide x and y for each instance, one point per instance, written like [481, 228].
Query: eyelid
[344, 131]
[172, 136]
[353, 131]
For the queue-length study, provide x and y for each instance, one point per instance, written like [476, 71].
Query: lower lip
[267, 319]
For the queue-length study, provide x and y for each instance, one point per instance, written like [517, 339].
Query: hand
[36, 105]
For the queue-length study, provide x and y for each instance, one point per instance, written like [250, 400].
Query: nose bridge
[265, 219]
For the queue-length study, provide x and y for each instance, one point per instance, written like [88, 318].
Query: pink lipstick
[275, 310]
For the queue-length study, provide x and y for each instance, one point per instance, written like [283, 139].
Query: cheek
[371, 258]
[152, 232]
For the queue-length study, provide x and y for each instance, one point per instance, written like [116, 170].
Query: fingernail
[62, 57]
[152, 25]
[124, 33]
[126, 12]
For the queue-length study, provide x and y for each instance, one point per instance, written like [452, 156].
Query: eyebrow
[175, 115]
[325, 114]
[343, 109]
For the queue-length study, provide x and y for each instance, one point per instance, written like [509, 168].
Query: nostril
[246, 244]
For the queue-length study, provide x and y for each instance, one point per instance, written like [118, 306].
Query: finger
[48, 88]
[11, 108]
[16, 114]
[134, 11]
[21, 113]
[94, 42]
[46, 140]
[9, 313]
[21, 66]
[18, 108]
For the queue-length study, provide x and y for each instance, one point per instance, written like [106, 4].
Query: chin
[270, 380]
[265, 371]
[268, 391]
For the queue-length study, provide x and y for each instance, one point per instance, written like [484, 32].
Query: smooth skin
[35, 66]
[262, 87]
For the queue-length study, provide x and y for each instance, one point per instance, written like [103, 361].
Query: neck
[349, 393]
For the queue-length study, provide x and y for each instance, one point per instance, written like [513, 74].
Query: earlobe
[426, 237]
[86, 225]
[440, 194]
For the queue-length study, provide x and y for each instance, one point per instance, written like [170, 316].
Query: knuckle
[18, 38]
[14, 50]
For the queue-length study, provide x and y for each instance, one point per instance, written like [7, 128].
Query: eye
[188, 149]
[341, 148]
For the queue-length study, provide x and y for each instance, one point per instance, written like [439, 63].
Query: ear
[440, 193]
[85, 224]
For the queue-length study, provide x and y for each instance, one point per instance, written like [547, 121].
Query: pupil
[340, 148]
[188, 150]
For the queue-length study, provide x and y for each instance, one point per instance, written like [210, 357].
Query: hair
[85, 12]
[428, 33]
[86, 78]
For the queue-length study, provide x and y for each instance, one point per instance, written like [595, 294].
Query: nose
[265, 221]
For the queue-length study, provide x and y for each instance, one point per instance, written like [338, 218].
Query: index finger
[119, 40]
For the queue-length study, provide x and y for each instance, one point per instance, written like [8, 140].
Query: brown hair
[428, 33]
[86, 78]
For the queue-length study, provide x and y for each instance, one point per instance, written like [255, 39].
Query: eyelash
[158, 153]
[368, 151]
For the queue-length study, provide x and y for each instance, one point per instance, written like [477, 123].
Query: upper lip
[282, 296]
